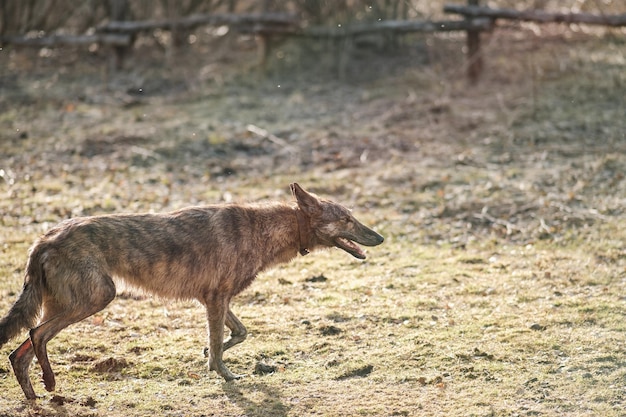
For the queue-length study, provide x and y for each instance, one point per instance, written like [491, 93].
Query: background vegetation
[66, 16]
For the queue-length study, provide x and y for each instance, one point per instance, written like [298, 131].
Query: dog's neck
[303, 231]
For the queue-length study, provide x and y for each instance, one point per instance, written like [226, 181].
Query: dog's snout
[371, 238]
[378, 238]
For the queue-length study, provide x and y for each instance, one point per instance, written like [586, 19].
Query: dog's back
[181, 255]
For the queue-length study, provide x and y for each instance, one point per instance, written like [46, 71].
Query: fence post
[119, 10]
[474, 53]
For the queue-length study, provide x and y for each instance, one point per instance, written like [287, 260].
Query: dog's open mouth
[350, 247]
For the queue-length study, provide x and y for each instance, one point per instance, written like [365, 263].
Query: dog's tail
[25, 313]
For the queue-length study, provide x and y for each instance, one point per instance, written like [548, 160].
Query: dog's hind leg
[20, 361]
[22, 357]
[238, 331]
[90, 302]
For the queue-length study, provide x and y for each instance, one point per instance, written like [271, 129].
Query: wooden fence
[475, 19]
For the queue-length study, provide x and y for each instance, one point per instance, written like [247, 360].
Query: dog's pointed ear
[306, 201]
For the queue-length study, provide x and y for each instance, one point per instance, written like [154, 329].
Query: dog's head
[332, 225]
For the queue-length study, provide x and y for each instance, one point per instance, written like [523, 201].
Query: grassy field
[500, 289]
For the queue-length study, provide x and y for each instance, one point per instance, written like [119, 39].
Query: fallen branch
[580, 214]
[536, 15]
[484, 215]
[264, 134]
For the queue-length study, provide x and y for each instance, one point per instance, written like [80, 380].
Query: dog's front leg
[216, 315]
[238, 332]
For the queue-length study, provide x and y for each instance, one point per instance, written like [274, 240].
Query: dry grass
[499, 289]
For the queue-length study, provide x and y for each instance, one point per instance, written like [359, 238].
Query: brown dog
[208, 253]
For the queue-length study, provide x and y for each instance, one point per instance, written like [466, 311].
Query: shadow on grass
[270, 405]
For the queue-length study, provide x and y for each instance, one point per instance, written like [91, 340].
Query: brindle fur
[209, 253]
